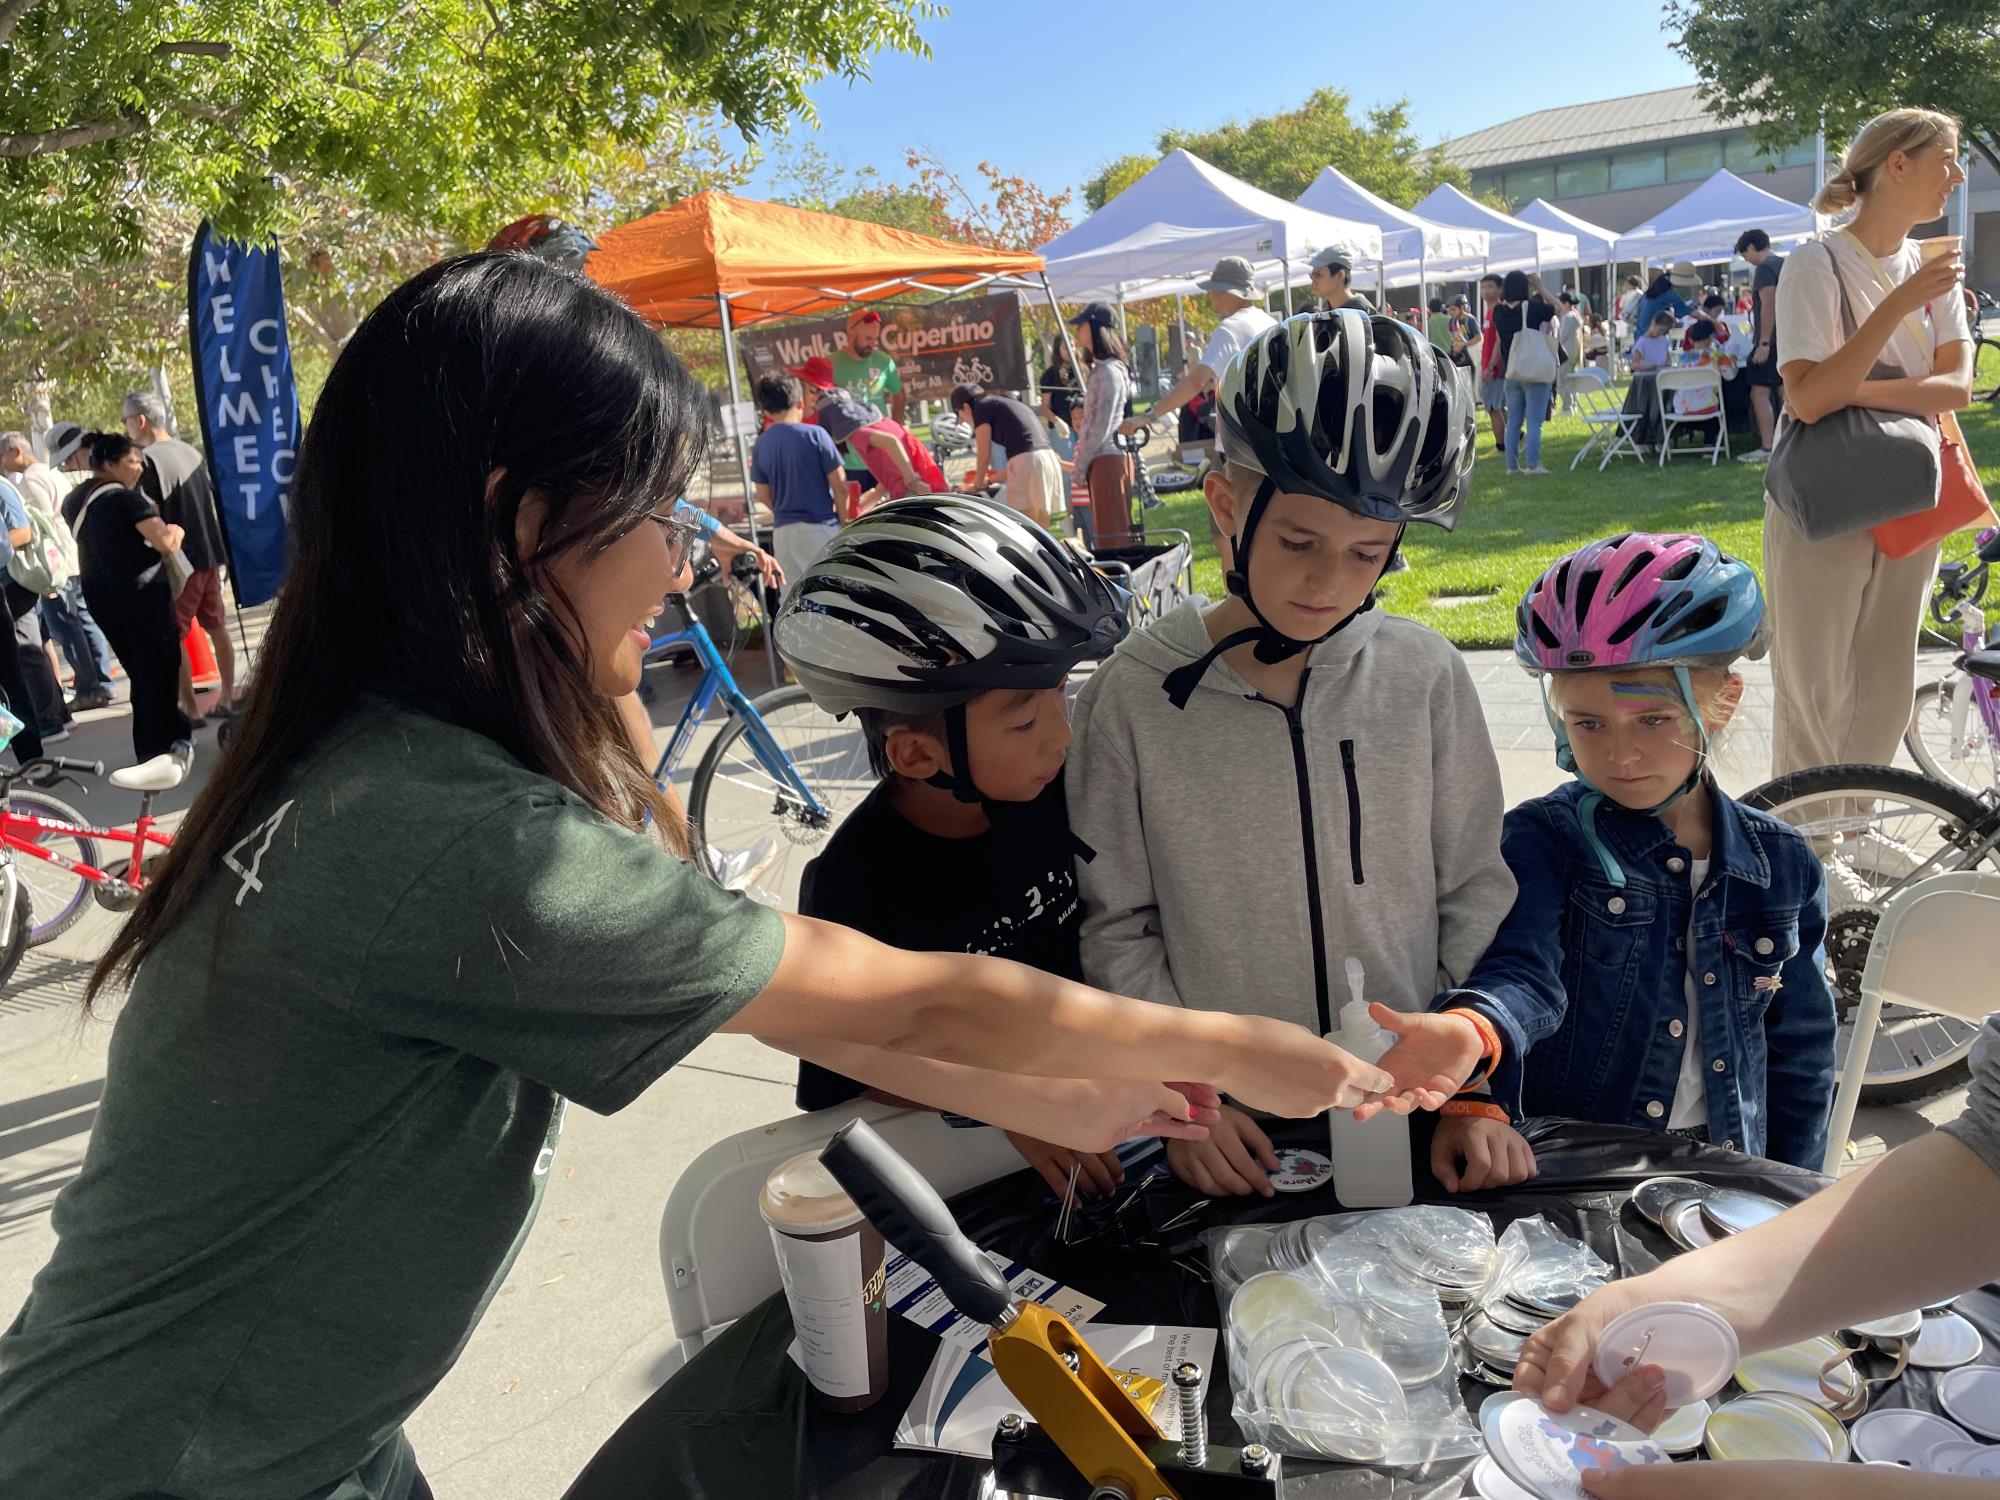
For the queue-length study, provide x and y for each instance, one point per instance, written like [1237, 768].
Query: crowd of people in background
[114, 552]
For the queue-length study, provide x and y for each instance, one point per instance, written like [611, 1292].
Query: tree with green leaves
[444, 113]
[1789, 64]
[1282, 153]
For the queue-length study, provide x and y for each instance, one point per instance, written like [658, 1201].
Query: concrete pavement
[578, 1335]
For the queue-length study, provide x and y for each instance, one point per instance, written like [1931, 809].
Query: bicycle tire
[1930, 703]
[64, 896]
[1979, 346]
[17, 934]
[792, 832]
[1945, 800]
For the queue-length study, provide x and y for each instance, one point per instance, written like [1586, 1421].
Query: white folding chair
[1604, 417]
[715, 1249]
[1936, 947]
[1695, 378]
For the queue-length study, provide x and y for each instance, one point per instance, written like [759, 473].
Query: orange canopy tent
[713, 260]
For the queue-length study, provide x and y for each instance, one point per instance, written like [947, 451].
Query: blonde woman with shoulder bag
[1875, 334]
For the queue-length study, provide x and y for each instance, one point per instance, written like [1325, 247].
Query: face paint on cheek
[1650, 693]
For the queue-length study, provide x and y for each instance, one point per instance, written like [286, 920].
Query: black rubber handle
[88, 767]
[899, 1201]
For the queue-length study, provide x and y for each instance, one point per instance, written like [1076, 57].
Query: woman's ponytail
[1839, 193]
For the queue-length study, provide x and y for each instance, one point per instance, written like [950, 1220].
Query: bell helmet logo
[1579, 658]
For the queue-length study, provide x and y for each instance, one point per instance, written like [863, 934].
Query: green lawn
[1465, 584]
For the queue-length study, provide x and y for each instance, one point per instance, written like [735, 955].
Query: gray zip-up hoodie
[1219, 826]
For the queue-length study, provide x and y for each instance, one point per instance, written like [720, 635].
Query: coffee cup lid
[801, 1196]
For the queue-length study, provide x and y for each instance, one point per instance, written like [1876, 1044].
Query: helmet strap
[1594, 799]
[958, 781]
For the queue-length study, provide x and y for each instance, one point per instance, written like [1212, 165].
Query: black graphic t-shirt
[1009, 892]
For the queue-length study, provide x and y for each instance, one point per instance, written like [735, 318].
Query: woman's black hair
[107, 447]
[1515, 287]
[479, 384]
[1660, 285]
[1098, 342]
[1058, 352]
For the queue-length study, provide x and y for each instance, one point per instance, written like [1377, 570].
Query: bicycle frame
[717, 682]
[1966, 688]
[142, 833]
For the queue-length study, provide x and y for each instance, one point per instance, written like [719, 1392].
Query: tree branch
[11, 12]
[193, 49]
[71, 137]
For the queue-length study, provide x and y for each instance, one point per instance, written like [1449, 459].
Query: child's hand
[1098, 1174]
[1469, 1153]
[1235, 1159]
[1437, 1052]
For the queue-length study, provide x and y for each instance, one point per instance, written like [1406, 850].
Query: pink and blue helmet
[1641, 600]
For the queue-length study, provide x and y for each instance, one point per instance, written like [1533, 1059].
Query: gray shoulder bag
[1854, 468]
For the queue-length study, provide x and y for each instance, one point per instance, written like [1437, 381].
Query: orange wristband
[1479, 1108]
[1489, 1037]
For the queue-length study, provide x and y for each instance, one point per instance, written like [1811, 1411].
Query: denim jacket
[1767, 1016]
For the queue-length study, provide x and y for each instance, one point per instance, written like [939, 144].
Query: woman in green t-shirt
[431, 893]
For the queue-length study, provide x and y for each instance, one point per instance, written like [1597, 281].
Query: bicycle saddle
[160, 774]
[1982, 664]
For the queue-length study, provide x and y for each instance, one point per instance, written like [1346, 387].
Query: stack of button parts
[1696, 1214]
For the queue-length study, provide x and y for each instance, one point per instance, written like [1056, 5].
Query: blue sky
[1004, 80]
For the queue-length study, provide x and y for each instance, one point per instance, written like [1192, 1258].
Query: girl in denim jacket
[1662, 966]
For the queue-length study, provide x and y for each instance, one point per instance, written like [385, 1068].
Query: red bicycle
[54, 847]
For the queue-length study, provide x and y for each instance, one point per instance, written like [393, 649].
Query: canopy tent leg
[743, 469]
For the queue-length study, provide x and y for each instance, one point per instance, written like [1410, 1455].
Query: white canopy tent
[1704, 225]
[1592, 240]
[1414, 249]
[1516, 245]
[1179, 219]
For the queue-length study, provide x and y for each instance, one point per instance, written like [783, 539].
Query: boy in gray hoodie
[1290, 778]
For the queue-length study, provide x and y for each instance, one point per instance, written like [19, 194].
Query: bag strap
[1925, 338]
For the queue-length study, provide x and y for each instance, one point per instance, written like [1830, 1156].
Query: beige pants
[1034, 482]
[1844, 624]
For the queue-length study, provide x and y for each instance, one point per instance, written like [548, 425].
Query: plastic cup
[1943, 244]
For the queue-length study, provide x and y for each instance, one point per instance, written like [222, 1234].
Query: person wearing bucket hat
[1232, 294]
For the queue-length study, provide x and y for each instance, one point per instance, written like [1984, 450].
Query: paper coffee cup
[831, 1261]
[1943, 244]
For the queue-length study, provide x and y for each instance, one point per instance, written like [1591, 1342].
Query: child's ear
[916, 755]
[1221, 497]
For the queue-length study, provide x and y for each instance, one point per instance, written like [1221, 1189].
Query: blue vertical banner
[249, 402]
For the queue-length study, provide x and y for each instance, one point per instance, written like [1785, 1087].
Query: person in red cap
[898, 464]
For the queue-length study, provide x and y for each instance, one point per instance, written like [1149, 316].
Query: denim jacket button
[1708, 978]
[1720, 1066]
[1677, 865]
[1729, 1145]
[1675, 1028]
[1615, 905]
[1763, 945]
[1654, 1109]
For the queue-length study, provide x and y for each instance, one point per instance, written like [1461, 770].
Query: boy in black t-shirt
[948, 624]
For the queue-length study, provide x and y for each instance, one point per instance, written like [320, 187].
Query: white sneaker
[1755, 456]
[1537, 469]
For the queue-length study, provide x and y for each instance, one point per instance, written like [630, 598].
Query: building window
[1742, 155]
[1637, 169]
[1526, 183]
[1691, 161]
[1484, 182]
[1802, 153]
[1579, 179]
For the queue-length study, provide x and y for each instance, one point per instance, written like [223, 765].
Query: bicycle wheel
[1874, 830]
[19, 933]
[751, 817]
[1985, 369]
[60, 896]
[1971, 757]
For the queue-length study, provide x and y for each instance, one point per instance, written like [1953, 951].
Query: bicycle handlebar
[49, 767]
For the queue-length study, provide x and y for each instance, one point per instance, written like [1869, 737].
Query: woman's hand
[1470, 1153]
[1286, 1070]
[175, 536]
[1935, 278]
[1435, 1053]
[1094, 1115]
[1097, 1173]
[1557, 1364]
[1235, 1159]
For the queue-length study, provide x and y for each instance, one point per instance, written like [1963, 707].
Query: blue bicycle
[778, 775]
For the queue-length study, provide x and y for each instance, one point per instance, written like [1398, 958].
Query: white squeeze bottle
[1371, 1161]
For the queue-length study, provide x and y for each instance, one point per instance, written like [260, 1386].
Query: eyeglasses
[680, 531]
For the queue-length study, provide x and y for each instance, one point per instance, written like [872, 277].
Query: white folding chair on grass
[715, 1249]
[1936, 947]
[1695, 378]
[1604, 417]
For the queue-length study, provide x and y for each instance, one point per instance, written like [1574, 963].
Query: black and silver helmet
[1361, 410]
[932, 600]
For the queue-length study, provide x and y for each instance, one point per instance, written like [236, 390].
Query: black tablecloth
[738, 1420]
